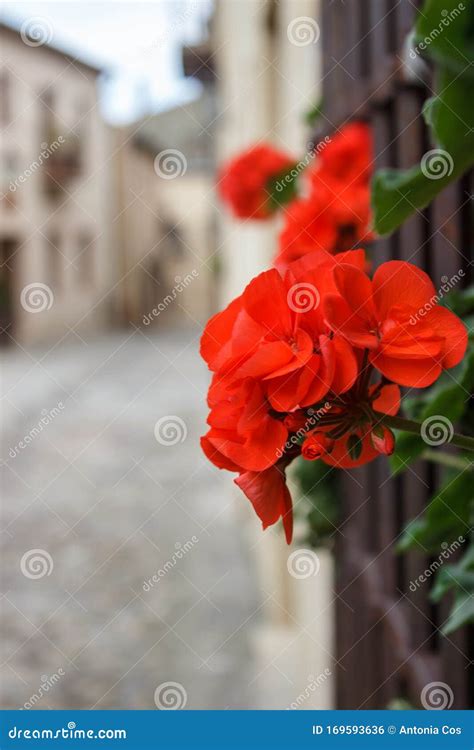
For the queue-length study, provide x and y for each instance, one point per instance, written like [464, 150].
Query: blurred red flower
[244, 183]
[335, 215]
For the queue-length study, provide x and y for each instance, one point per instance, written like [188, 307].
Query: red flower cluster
[245, 183]
[295, 361]
[335, 216]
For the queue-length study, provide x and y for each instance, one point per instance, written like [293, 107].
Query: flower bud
[383, 440]
[316, 445]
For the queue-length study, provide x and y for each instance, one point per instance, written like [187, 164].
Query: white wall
[265, 87]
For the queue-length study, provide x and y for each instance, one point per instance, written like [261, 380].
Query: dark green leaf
[354, 447]
[446, 29]
[446, 518]
[396, 194]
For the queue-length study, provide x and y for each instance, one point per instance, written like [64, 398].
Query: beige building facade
[57, 261]
[269, 73]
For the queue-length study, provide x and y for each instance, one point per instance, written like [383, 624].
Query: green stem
[447, 459]
[409, 425]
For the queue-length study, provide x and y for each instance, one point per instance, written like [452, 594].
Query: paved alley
[124, 568]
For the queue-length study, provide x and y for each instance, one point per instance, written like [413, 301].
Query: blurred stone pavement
[106, 505]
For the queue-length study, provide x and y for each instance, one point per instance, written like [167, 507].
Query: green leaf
[449, 398]
[460, 302]
[397, 194]
[283, 188]
[446, 29]
[460, 579]
[319, 502]
[446, 518]
[462, 612]
[312, 115]
[354, 446]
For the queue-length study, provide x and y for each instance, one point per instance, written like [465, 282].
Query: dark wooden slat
[399, 655]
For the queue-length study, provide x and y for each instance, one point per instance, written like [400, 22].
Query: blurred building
[181, 146]
[268, 77]
[55, 248]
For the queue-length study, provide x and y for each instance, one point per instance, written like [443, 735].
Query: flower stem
[447, 459]
[409, 425]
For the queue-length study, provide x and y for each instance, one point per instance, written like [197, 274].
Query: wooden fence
[388, 640]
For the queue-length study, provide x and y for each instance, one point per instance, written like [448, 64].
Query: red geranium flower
[294, 361]
[411, 338]
[335, 217]
[348, 157]
[244, 183]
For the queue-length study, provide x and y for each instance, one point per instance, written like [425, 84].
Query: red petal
[216, 339]
[270, 497]
[417, 373]
[448, 325]
[398, 283]
[341, 319]
[346, 369]
[265, 300]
